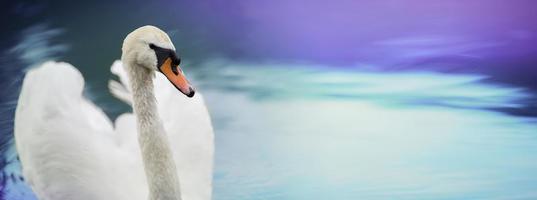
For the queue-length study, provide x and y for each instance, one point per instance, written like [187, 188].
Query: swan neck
[157, 156]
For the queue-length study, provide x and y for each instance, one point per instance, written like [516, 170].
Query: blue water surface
[303, 130]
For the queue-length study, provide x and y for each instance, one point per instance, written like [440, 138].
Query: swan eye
[176, 61]
[163, 54]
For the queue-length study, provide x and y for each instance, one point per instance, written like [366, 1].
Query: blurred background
[318, 99]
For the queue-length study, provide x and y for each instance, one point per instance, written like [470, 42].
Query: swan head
[151, 48]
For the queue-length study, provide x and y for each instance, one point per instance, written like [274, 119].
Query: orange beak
[176, 77]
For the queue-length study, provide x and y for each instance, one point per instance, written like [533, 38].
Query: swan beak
[176, 77]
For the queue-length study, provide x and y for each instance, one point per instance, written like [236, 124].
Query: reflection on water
[306, 132]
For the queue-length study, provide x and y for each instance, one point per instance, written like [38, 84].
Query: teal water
[306, 131]
[311, 132]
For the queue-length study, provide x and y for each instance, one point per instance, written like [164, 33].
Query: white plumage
[69, 149]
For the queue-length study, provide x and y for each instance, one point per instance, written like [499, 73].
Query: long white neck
[156, 152]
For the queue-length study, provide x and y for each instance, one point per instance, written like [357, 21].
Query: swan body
[69, 149]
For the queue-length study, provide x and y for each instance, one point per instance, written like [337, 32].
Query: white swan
[69, 149]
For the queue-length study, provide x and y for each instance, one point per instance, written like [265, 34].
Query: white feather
[70, 150]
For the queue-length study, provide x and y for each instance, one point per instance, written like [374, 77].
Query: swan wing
[67, 146]
[188, 125]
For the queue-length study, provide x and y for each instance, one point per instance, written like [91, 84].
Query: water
[307, 132]
[309, 129]
[304, 131]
